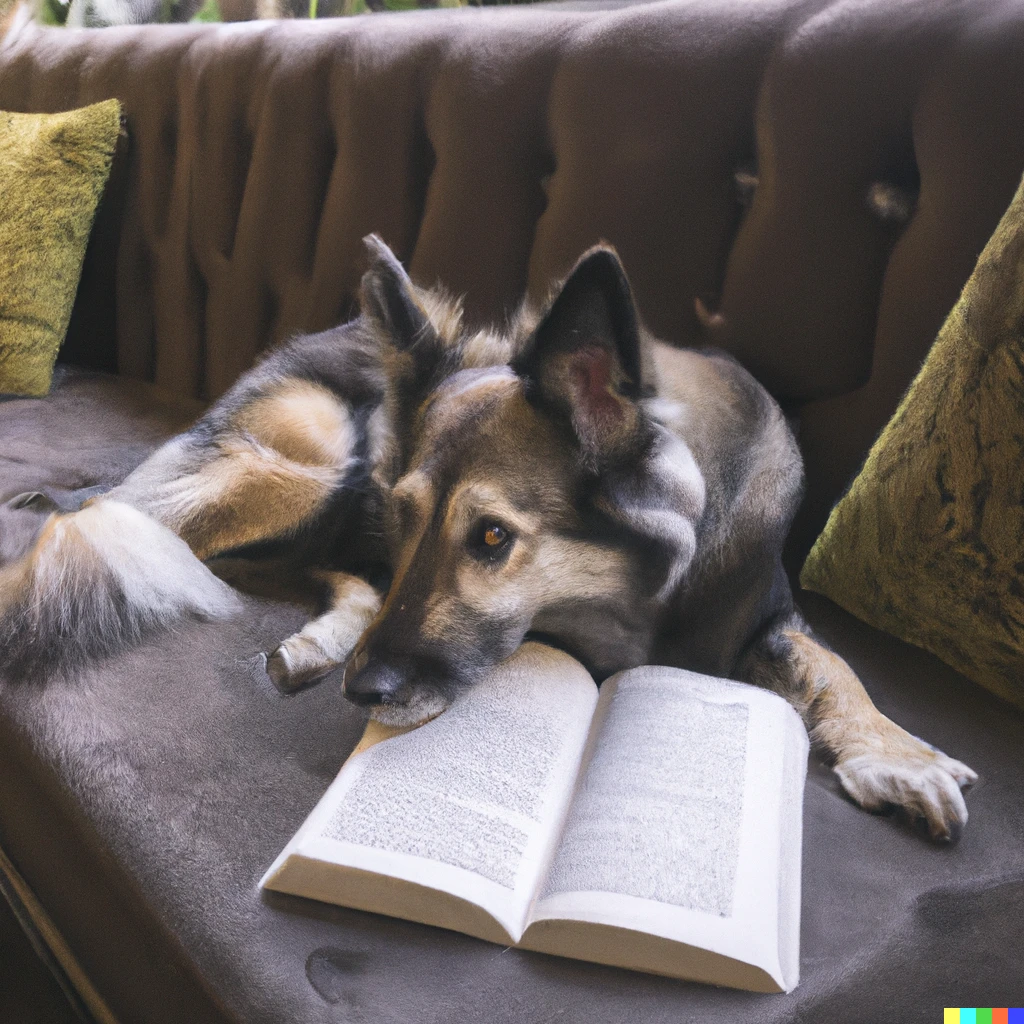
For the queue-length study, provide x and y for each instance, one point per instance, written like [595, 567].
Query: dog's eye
[495, 535]
[490, 538]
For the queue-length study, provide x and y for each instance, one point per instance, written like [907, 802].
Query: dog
[567, 476]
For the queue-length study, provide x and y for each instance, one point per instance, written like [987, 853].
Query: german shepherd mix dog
[569, 477]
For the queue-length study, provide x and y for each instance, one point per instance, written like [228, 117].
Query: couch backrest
[490, 148]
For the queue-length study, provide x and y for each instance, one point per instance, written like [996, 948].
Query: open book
[656, 825]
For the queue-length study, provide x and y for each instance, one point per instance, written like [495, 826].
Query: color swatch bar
[983, 1015]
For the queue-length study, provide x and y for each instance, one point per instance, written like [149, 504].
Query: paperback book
[654, 824]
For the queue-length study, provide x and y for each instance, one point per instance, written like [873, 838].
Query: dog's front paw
[298, 661]
[908, 773]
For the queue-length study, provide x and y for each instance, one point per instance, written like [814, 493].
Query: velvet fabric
[490, 148]
[928, 544]
[143, 802]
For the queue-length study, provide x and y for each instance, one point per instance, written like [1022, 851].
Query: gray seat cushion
[143, 802]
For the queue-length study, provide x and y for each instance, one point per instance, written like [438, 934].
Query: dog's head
[536, 493]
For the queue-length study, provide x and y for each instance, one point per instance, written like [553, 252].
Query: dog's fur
[569, 477]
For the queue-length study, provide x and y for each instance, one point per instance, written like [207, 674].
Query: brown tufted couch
[139, 807]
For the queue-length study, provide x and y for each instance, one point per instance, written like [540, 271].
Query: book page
[675, 827]
[469, 804]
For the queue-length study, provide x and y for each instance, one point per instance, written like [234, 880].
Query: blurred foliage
[347, 7]
[210, 11]
[55, 12]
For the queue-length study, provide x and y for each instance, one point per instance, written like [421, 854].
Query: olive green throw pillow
[928, 544]
[53, 168]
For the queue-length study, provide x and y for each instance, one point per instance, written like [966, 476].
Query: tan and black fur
[569, 477]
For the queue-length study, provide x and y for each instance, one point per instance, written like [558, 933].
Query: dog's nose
[376, 683]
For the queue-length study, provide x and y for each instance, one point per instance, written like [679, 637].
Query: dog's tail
[94, 582]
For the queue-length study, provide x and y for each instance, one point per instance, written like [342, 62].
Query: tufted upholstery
[491, 147]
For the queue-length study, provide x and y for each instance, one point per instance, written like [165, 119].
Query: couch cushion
[143, 802]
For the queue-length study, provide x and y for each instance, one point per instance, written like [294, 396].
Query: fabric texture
[143, 802]
[53, 168]
[491, 147]
[928, 544]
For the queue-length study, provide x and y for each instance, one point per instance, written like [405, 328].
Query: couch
[139, 806]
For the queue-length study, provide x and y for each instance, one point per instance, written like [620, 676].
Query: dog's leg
[261, 475]
[129, 560]
[326, 642]
[878, 763]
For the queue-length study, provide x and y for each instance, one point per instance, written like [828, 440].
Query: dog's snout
[377, 683]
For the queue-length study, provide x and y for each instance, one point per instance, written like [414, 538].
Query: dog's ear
[585, 359]
[390, 299]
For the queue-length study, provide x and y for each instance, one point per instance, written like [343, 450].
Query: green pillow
[53, 168]
[928, 544]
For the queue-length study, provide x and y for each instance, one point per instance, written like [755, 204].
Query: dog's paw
[326, 642]
[914, 776]
[300, 660]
